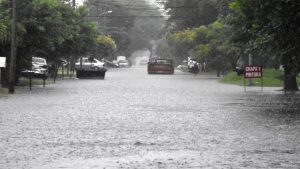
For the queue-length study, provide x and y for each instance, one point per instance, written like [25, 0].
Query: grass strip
[271, 78]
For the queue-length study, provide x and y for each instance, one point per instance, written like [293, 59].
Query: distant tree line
[132, 24]
[221, 32]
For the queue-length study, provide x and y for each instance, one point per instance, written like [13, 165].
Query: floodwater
[135, 120]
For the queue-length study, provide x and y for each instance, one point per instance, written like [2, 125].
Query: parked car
[160, 66]
[119, 58]
[239, 70]
[41, 62]
[109, 63]
[123, 63]
[39, 68]
[90, 68]
[86, 63]
[183, 68]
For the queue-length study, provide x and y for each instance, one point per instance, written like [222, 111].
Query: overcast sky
[79, 2]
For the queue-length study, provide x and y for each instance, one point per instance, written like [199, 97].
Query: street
[135, 120]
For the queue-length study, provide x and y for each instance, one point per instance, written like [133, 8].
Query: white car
[39, 65]
[89, 64]
[39, 68]
[183, 68]
[39, 61]
[123, 63]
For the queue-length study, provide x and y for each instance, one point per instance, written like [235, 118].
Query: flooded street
[135, 120]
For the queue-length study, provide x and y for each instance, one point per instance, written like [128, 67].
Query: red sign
[253, 72]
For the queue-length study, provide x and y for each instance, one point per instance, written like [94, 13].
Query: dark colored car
[161, 66]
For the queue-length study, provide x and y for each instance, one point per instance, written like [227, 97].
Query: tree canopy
[190, 13]
[272, 27]
[132, 24]
[223, 31]
[51, 29]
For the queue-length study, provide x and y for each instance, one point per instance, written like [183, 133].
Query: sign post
[251, 72]
[2, 65]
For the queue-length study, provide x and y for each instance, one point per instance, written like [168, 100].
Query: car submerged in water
[89, 63]
[123, 64]
[39, 68]
[160, 66]
[89, 67]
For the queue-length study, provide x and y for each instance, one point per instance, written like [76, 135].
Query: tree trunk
[233, 66]
[68, 66]
[12, 63]
[290, 81]
[218, 72]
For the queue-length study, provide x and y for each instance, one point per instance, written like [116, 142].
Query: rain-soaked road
[134, 120]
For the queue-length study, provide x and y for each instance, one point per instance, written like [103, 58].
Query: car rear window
[39, 60]
[164, 61]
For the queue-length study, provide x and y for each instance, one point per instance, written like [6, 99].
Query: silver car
[89, 64]
[39, 65]
[123, 63]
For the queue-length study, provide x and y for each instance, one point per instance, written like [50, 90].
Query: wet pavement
[135, 120]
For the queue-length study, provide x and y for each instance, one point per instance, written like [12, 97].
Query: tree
[181, 43]
[82, 37]
[132, 25]
[223, 7]
[119, 25]
[211, 44]
[4, 24]
[191, 37]
[272, 26]
[106, 47]
[5, 19]
[190, 13]
[48, 28]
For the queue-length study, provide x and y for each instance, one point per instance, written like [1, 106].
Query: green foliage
[131, 27]
[49, 24]
[106, 46]
[186, 36]
[189, 14]
[4, 22]
[203, 51]
[210, 44]
[272, 27]
[181, 43]
[80, 38]
[202, 36]
[272, 24]
[267, 29]
[49, 3]
[47, 28]
[107, 41]
[3, 30]
[223, 7]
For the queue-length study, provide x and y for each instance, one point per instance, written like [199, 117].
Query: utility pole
[250, 64]
[12, 64]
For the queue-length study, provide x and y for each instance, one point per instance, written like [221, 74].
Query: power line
[129, 16]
